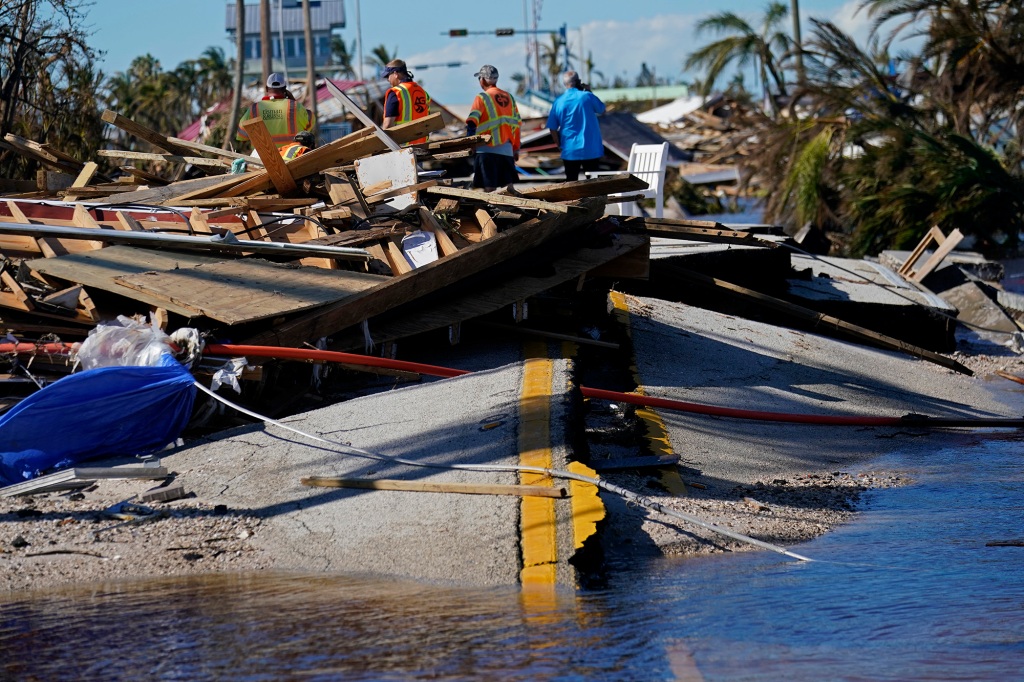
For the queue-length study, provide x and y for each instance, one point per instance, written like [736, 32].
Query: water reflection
[908, 592]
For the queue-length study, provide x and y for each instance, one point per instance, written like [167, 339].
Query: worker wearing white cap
[284, 117]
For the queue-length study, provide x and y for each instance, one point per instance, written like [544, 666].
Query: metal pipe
[227, 243]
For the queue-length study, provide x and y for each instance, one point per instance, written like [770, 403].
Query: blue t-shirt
[574, 117]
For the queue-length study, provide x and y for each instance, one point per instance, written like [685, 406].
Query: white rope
[554, 473]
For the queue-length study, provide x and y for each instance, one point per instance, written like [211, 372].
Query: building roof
[674, 110]
[657, 92]
[324, 15]
[620, 131]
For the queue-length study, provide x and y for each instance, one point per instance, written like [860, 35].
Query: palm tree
[743, 45]
[343, 56]
[379, 57]
[236, 95]
[551, 56]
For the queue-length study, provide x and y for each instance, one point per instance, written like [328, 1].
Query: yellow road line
[537, 524]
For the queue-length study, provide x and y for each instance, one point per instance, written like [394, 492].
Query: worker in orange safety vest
[495, 112]
[303, 142]
[405, 101]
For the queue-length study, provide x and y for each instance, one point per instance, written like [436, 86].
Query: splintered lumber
[819, 320]
[340, 152]
[37, 152]
[182, 189]
[247, 290]
[428, 278]
[169, 158]
[430, 487]
[702, 231]
[212, 244]
[409, 320]
[381, 197]
[142, 132]
[580, 189]
[215, 151]
[261, 140]
[501, 199]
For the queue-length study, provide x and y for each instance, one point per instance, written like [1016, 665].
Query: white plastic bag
[128, 344]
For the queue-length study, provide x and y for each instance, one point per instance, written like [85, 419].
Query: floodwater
[909, 591]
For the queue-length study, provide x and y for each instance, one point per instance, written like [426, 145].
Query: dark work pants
[572, 168]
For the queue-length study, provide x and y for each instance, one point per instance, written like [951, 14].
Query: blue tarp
[108, 411]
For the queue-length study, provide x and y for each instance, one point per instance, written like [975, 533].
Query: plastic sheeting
[108, 411]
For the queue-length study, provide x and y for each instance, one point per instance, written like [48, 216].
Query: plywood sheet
[100, 267]
[246, 290]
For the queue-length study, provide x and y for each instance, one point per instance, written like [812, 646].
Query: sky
[620, 35]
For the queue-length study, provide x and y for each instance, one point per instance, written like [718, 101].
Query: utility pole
[236, 96]
[265, 46]
[307, 20]
[798, 45]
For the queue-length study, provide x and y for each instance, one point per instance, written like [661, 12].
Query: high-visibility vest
[293, 150]
[495, 112]
[413, 103]
[283, 118]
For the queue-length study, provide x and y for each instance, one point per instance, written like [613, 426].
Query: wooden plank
[487, 225]
[430, 223]
[716, 235]
[429, 278]
[18, 298]
[128, 222]
[166, 158]
[409, 320]
[47, 246]
[500, 199]
[215, 151]
[85, 177]
[142, 132]
[431, 487]
[97, 269]
[198, 222]
[580, 189]
[247, 290]
[35, 151]
[396, 259]
[398, 191]
[377, 253]
[819, 320]
[183, 189]
[274, 165]
[948, 244]
[82, 218]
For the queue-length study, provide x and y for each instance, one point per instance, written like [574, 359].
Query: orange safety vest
[413, 103]
[293, 150]
[495, 112]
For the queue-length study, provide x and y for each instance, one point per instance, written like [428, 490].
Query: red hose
[280, 352]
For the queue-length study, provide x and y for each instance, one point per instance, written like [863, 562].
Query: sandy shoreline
[59, 538]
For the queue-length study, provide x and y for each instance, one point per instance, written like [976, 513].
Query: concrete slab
[442, 537]
[701, 356]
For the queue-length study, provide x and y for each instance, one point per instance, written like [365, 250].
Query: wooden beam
[396, 259]
[274, 165]
[168, 158]
[381, 197]
[592, 187]
[216, 151]
[142, 132]
[500, 199]
[947, 245]
[487, 225]
[429, 487]
[430, 224]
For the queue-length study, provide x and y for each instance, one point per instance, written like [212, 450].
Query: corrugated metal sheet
[324, 14]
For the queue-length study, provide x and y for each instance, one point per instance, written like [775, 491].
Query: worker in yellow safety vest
[405, 101]
[495, 112]
[303, 143]
[283, 116]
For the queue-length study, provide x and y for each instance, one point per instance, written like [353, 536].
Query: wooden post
[276, 169]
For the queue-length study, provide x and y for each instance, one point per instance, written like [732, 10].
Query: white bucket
[419, 248]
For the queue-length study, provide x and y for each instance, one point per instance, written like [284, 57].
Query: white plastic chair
[648, 162]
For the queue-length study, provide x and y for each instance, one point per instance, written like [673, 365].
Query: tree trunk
[266, 47]
[236, 99]
[307, 21]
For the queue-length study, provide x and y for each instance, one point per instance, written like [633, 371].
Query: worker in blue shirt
[574, 127]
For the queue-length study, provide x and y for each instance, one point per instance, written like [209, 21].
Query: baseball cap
[487, 72]
[277, 80]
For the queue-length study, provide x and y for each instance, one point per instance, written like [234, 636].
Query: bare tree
[236, 97]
